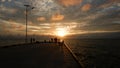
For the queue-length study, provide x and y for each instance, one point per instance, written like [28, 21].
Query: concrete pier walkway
[37, 55]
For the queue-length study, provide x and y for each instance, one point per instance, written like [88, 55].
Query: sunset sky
[51, 16]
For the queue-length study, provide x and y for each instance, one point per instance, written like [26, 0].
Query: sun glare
[61, 32]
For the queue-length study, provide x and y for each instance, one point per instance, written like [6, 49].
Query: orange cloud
[30, 23]
[16, 25]
[69, 2]
[6, 0]
[41, 19]
[4, 27]
[57, 17]
[86, 7]
[21, 27]
[2, 0]
[25, 12]
[12, 10]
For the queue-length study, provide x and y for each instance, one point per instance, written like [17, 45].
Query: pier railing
[74, 56]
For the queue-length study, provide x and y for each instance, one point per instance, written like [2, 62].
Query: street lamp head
[27, 5]
[33, 7]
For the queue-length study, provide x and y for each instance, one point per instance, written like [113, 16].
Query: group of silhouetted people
[52, 40]
[55, 40]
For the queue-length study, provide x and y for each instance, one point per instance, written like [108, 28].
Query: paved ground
[40, 55]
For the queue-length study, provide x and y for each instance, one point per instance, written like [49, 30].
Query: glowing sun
[61, 32]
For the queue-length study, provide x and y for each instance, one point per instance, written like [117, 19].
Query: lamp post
[27, 6]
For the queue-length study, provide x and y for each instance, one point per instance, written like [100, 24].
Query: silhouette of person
[51, 39]
[31, 40]
[55, 39]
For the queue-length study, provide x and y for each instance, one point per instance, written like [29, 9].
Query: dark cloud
[57, 17]
[68, 3]
[41, 19]
[86, 7]
[74, 15]
[105, 22]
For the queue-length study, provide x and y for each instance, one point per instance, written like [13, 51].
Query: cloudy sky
[50, 16]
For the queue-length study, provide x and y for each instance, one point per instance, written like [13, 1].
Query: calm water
[96, 53]
[10, 42]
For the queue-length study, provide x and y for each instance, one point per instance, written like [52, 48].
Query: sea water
[96, 53]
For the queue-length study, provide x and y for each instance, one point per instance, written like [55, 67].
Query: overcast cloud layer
[76, 16]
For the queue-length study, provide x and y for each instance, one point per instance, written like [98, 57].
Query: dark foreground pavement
[38, 55]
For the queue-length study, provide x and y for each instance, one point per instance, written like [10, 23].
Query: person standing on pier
[31, 40]
[55, 40]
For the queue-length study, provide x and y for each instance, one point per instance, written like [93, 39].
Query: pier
[38, 55]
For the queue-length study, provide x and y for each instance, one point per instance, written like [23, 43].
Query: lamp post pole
[27, 21]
